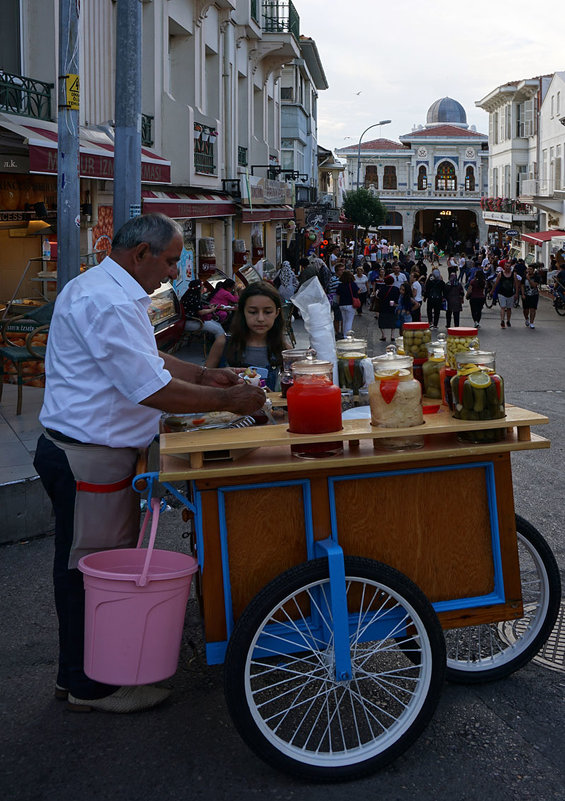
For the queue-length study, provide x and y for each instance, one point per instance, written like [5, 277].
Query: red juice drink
[314, 407]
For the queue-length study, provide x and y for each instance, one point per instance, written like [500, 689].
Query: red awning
[267, 213]
[96, 151]
[179, 206]
[541, 236]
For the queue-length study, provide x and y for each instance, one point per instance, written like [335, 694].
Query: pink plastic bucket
[135, 603]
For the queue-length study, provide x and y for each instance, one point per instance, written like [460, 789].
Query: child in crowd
[257, 332]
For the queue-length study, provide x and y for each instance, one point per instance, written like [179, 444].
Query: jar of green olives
[415, 338]
[460, 340]
[478, 394]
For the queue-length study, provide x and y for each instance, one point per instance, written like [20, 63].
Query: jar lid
[311, 367]
[416, 326]
[298, 353]
[351, 343]
[462, 332]
[391, 360]
[475, 357]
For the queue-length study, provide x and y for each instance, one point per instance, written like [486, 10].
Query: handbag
[355, 302]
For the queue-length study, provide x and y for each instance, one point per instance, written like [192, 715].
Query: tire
[489, 300]
[290, 709]
[559, 307]
[493, 651]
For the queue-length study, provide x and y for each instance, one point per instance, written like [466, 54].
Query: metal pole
[375, 125]
[68, 181]
[127, 148]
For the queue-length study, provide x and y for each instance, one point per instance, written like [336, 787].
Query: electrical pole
[127, 147]
[68, 180]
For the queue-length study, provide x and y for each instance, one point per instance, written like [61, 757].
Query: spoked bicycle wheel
[280, 681]
[490, 300]
[494, 650]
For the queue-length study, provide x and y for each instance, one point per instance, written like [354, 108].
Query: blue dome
[446, 111]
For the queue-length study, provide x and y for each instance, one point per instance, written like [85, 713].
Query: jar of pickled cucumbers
[395, 397]
[350, 353]
[415, 338]
[460, 340]
[478, 394]
[432, 367]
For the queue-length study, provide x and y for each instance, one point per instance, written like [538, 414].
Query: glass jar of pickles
[433, 366]
[460, 340]
[478, 394]
[395, 397]
[350, 352]
[415, 338]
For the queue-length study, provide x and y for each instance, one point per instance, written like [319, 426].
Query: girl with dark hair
[257, 331]
[476, 296]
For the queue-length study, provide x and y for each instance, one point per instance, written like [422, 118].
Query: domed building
[431, 180]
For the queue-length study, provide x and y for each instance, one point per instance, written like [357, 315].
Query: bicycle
[490, 298]
[558, 302]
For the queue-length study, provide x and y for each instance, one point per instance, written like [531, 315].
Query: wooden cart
[338, 591]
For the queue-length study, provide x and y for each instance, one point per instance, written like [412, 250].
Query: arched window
[389, 178]
[469, 179]
[371, 176]
[445, 176]
[422, 178]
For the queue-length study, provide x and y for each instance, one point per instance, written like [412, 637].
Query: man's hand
[220, 377]
[244, 399]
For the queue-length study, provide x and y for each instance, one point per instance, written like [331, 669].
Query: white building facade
[431, 181]
[211, 123]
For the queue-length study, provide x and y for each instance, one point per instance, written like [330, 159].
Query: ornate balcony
[280, 16]
[25, 96]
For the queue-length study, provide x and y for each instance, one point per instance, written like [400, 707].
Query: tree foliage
[364, 209]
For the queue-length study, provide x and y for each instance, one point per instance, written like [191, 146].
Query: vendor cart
[339, 592]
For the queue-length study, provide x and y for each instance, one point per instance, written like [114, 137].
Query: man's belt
[58, 437]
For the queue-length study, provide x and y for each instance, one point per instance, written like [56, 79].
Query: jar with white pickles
[395, 398]
[460, 340]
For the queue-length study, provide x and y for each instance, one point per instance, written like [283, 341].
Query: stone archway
[448, 226]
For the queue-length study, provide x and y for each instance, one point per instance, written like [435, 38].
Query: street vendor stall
[339, 590]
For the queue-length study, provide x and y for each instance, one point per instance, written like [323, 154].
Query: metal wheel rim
[503, 641]
[417, 676]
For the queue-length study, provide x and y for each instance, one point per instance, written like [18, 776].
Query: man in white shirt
[106, 387]
[398, 277]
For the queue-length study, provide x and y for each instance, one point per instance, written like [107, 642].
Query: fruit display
[460, 340]
[478, 394]
[415, 339]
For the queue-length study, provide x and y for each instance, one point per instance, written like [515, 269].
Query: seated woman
[257, 332]
[195, 307]
[225, 300]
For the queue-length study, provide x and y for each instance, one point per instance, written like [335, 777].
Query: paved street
[502, 741]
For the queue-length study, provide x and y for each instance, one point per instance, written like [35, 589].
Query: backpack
[435, 290]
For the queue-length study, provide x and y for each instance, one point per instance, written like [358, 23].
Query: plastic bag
[315, 309]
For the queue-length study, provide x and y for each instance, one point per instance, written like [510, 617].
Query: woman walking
[362, 287]
[476, 297]
[433, 294]
[453, 293]
[507, 288]
[347, 294]
[387, 295]
[530, 296]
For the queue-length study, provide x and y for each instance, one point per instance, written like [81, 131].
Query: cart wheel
[495, 650]
[280, 681]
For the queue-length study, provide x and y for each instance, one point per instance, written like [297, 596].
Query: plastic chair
[19, 345]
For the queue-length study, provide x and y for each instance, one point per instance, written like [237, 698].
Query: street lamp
[375, 125]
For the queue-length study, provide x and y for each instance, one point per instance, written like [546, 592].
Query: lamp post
[375, 125]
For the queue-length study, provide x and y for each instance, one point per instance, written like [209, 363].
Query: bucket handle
[141, 580]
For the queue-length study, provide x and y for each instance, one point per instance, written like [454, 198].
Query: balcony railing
[539, 187]
[204, 139]
[506, 205]
[280, 16]
[25, 96]
[242, 156]
[147, 130]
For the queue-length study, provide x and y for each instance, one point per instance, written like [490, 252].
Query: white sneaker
[124, 699]
[532, 325]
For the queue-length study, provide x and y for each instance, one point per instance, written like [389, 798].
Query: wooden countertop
[268, 447]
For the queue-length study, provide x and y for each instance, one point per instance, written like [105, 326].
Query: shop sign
[496, 216]
[14, 163]
[257, 191]
[512, 232]
[15, 216]
[44, 159]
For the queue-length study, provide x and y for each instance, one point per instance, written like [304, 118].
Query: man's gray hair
[155, 229]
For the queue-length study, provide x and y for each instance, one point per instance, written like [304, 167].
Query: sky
[393, 60]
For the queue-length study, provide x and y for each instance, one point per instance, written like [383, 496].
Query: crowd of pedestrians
[399, 284]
